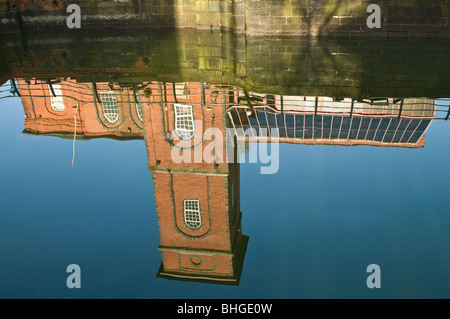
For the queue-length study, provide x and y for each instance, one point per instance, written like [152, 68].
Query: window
[184, 121]
[192, 215]
[56, 101]
[110, 108]
[139, 108]
[182, 90]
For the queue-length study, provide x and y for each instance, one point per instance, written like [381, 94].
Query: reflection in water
[198, 202]
[322, 120]
[338, 67]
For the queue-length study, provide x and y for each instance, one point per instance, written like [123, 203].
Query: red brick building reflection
[197, 204]
[100, 110]
[197, 193]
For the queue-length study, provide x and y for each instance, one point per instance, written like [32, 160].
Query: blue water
[314, 227]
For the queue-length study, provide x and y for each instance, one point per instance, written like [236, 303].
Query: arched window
[192, 215]
[56, 101]
[184, 121]
[110, 108]
[139, 112]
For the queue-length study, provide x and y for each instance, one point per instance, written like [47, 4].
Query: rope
[74, 135]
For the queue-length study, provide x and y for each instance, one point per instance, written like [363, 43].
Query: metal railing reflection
[387, 121]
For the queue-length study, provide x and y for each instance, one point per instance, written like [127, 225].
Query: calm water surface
[313, 227]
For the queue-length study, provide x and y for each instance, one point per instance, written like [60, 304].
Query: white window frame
[110, 107]
[192, 214]
[139, 110]
[57, 100]
[184, 121]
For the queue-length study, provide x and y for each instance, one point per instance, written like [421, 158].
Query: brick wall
[41, 118]
[218, 243]
[208, 109]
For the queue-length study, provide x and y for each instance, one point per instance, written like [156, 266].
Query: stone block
[214, 63]
[239, 22]
[226, 19]
[241, 69]
[238, 8]
[214, 6]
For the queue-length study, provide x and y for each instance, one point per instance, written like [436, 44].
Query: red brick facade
[214, 252]
[80, 99]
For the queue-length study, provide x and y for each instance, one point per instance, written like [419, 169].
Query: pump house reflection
[198, 202]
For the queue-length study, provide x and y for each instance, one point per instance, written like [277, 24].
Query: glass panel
[184, 121]
[110, 108]
[354, 128]
[326, 126]
[192, 216]
[57, 101]
[308, 126]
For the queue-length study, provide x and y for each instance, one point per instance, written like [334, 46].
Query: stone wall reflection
[338, 68]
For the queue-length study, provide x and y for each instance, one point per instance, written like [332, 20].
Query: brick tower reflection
[197, 200]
